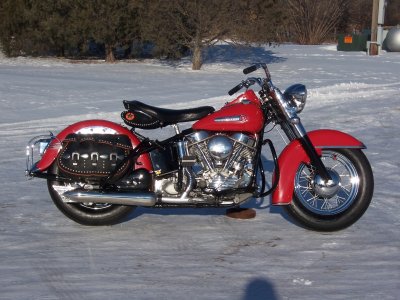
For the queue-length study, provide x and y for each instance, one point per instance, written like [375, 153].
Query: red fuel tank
[235, 116]
[247, 96]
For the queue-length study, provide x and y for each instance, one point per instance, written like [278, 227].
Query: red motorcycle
[98, 171]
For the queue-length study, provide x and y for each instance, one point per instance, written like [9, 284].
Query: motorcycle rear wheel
[322, 209]
[87, 214]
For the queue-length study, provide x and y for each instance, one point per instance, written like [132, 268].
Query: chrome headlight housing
[296, 95]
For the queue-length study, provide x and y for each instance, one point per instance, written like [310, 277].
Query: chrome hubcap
[327, 189]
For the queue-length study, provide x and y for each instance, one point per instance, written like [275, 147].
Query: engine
[223, 161]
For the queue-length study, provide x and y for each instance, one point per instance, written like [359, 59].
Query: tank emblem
[229, 119]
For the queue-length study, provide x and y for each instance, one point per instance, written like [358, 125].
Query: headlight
[296, 95]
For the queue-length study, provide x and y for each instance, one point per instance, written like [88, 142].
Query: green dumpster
[352, 42]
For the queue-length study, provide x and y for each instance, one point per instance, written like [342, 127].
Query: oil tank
[392, 41]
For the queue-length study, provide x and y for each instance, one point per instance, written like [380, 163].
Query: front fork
[296, 130]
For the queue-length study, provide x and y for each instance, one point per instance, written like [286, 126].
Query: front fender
[293, 155]
[88, 127]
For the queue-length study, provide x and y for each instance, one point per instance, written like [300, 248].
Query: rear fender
[90, 127]
[293, 155]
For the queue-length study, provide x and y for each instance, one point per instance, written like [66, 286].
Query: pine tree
[111, 22]
[13, 21]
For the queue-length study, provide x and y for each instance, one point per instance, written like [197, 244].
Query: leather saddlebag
[96, 155]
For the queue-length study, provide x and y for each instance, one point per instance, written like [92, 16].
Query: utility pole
[373, 50]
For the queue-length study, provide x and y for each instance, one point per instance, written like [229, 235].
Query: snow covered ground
[188, 253]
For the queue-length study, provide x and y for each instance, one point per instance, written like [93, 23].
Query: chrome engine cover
[220, 147]
[223, 161]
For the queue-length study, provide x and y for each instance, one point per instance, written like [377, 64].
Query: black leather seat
[169, 116]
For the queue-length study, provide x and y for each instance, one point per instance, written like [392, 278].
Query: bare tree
[257, 21]
[195, 24]
[198, 24]
[392, 13]
[357, 16]
[312, 21]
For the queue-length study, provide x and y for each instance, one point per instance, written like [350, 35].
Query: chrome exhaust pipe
[138, 198]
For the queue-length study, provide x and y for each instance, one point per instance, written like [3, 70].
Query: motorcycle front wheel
[85, 213]
[339, 204]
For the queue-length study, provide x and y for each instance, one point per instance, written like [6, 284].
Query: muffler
[139, 198]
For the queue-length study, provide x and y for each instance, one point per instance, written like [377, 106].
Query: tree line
[170, 28]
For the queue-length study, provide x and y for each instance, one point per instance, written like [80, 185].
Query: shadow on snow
[240, 55]
[231, 54]
[260, 288]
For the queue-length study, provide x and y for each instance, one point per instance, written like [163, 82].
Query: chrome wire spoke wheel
[87, 213]
[337, 195]
[95, 206]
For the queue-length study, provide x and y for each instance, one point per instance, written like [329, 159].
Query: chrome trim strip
[228, 119]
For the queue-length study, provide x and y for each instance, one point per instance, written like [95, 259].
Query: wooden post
[373, 50]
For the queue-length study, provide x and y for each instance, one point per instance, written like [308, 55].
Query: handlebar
[235, 89]
[256, 67]
[251, 80]
[246, 83]
[250, 69]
